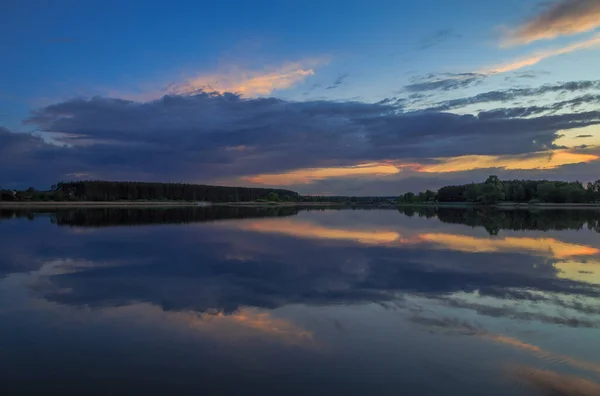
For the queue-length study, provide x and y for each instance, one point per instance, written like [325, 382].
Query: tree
[518, 193]
[490, 194]
[429, 195]
[409, 197]
[472, 192]
[546, 192]
[493, 179]
[273, 197]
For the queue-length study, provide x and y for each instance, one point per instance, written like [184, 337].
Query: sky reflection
[314, 290]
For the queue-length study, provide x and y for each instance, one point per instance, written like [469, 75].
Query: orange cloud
[540, 56]
[539, 160]
[249, 82]
[547, 247]
[564, 17]
[309, 175]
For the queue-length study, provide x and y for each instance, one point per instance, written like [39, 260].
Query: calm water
[281, 301]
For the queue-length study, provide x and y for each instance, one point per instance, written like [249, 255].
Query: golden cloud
[537, 57]
[249, 82]
[540, 160]
[564, 17]
[309, 175]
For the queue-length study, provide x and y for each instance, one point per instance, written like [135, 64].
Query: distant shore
[505, 205]
[55, 204]
[67, 204]
[250, 204]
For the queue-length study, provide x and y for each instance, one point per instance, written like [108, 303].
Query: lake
[284, 301]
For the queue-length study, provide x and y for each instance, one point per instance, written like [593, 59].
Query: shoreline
[504, 205]
[253, 204]
[56, 204]
[199, 204]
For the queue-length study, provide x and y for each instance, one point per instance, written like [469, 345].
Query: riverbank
[257, 204]
[505, 205]
[279, 204]
[74, 204]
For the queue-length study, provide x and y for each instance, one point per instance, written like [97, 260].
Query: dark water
[282, 301]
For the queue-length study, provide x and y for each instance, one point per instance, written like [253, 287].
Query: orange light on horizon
[308, 175]
[540, 160]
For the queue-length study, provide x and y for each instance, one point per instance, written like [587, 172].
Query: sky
[324, 98]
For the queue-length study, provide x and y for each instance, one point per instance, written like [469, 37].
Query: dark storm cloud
[210, 137]
[444, 82]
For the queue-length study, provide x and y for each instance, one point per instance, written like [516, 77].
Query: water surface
[287, 301]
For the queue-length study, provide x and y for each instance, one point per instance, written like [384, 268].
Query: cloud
[537, 57]
[338, 81]
[249, 82]
[227, 138]
[558, 18]
[453, 81]
[513, 94]
[311, 174]
[444, 82]
[539, 160]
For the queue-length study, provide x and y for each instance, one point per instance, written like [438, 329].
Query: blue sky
[81, 76]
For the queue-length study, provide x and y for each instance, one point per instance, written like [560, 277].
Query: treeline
[494, 220]
[346, 200]
[494, 190]
[105, 217]
[130, 191]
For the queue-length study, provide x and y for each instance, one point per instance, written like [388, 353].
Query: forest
[494, 191]
[138, 191]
